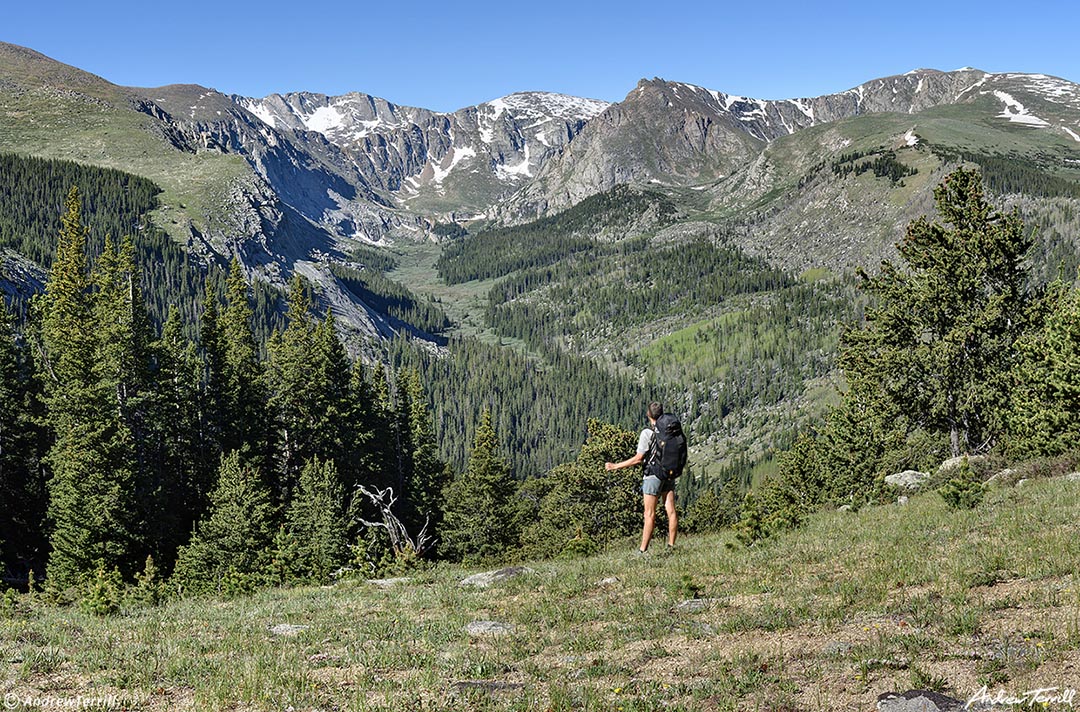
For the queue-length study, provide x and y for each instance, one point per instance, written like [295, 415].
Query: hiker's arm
[635, 460]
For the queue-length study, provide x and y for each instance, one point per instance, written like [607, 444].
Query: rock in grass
[388, 582]
[693, 605]
[837, 647]
[479, 628]
[908, 480]
[287, 630]
[487, 578]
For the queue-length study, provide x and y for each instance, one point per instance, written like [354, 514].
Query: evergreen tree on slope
[939, 340]
[479, 521]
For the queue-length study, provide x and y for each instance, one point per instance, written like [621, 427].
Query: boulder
[908, 480]
[953, 463]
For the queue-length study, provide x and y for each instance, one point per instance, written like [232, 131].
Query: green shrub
[104, 592]
[964, 490]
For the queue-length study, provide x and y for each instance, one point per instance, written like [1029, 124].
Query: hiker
[656, 481]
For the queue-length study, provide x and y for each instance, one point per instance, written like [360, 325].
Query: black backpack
[667, 453]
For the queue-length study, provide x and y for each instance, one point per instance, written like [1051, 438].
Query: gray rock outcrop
[908, 480]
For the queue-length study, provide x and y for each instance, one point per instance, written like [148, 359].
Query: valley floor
[853, 605]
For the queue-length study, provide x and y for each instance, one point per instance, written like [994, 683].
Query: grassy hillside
[828, 617]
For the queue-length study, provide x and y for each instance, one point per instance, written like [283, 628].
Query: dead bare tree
[400, 541]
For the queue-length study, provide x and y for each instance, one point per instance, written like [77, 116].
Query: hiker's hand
[609, 466]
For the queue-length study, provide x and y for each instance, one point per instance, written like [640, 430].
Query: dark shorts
[655, 486]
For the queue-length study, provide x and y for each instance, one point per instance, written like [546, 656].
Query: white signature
[1039, 696]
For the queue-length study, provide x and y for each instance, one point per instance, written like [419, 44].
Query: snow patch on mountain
[1016, 112]
[1071, 133]
[324, 119]
[457, 154]
[260, 110]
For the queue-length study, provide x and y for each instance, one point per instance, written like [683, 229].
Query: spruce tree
[423, 474]
[92, 487]
[123, 381]
[230, 550]
[316, 521]
[1044, 413]
[479, 517]
[21, 449]
[289, 380]
[331, 377]
[247, 425]
[582, 499]
[215, 428]
[181, 461]
[939, 339]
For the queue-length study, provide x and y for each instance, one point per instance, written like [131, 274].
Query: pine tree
[21, 449]
[247, 425]
[423, 474]
[479, 516]
[1044, 414]
[316, 521]
[181, 461]
[581, 497]
[230, 550]
[92, 488]
[939, 340]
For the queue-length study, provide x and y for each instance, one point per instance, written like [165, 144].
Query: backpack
[667, 452]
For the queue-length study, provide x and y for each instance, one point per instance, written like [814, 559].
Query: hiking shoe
[642, 552]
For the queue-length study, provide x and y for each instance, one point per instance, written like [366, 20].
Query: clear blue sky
[446, 55]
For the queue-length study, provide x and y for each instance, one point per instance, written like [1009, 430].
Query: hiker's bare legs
[672, 517]
[650, 520]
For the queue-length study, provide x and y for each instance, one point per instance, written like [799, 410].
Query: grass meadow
[852, 605]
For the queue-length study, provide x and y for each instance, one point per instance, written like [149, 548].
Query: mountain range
[316, 185]
[288, 178]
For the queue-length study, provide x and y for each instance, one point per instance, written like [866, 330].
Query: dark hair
[655, 410]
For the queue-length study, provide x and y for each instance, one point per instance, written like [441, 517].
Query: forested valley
[173, 428]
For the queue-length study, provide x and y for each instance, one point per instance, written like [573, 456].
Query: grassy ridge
[828, 617]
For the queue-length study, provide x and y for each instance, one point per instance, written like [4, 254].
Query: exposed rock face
[302, 169]
[680, 134]
[462, 161]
